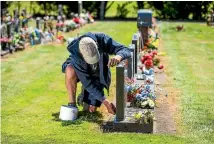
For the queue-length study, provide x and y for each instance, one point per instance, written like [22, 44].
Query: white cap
[89, 50]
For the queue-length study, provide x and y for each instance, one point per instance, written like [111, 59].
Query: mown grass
[192, 66]
[33, 91]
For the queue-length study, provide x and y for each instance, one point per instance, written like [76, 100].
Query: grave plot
[135, 88]
[6, 35]
[13, 38]
[134, 102]
[131, 116]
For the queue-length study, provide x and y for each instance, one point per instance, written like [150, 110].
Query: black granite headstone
[120, 104]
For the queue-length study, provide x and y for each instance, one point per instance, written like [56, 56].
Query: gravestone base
[129, 124]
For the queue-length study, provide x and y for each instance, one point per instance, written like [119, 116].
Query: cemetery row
[17, 34]
[135, 87]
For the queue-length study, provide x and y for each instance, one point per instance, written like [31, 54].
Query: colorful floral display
[145, 117]
[140, 96]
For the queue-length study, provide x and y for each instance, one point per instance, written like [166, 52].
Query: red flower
[160, 66]
[154, 53]
[148, 56]
[148, 63]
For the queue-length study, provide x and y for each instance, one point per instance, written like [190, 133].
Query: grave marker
[120, 93]
[60, 9]
[38, 25]
[24, 18]
[144, 22]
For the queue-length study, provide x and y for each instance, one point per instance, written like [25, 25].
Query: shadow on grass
[95, 117]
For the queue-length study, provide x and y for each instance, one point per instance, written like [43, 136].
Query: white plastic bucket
[68, 113]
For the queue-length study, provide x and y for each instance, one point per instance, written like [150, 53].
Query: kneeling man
[89, 63]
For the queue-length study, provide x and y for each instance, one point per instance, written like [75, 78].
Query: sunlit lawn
[33, 90]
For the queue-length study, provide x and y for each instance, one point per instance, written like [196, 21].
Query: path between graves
[167, 111]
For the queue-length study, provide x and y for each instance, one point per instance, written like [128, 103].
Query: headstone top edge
[145, 11]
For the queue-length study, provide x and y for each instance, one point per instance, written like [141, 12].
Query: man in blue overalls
[89, 63]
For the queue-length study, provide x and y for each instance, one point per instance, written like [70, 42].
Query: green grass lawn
[33, 90]
[191, 55]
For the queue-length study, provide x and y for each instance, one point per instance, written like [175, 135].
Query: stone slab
[128, 124]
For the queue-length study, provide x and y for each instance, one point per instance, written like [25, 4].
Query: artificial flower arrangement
[144, 99]
[145, 117]
[148, 55]
[139, 96]
[149, 59]
[152, 42]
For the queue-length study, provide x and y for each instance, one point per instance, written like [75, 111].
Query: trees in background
[196, 10]
[122, 10]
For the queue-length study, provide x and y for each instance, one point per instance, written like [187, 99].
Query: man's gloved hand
[114, 61]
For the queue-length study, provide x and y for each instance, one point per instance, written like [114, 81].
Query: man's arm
[113, 47]
[110, 46]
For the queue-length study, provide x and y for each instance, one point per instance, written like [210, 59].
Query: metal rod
[133, 59]
[130, 66]
[131, 62]
[134, 41]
